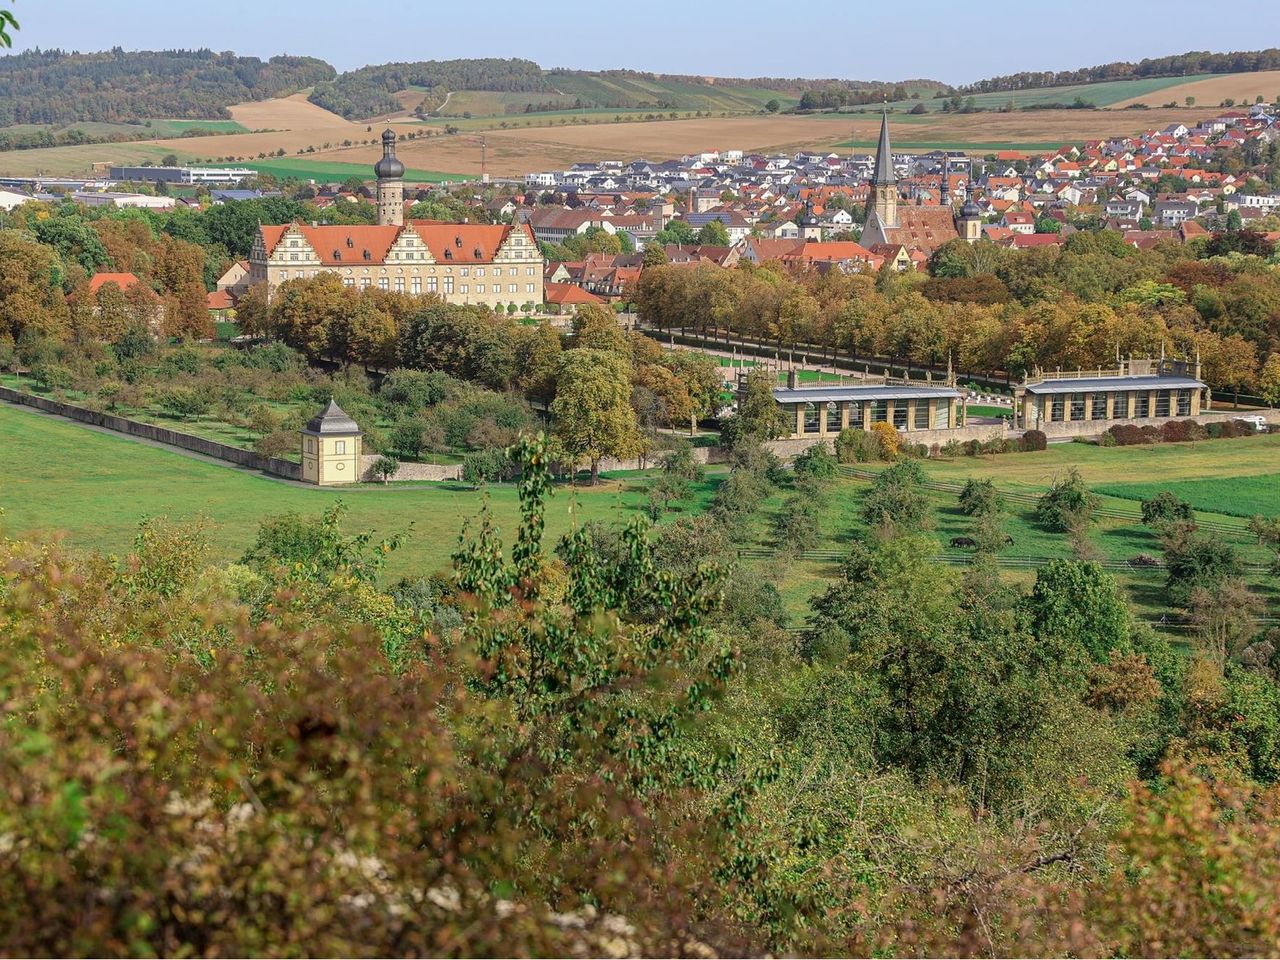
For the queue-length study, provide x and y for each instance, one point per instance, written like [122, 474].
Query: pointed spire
[884, 156]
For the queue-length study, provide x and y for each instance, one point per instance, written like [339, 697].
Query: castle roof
[332, 420]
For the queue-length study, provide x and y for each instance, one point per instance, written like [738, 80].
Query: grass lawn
[300, 168]
[59, 476]
[1234, 496]
[1205, 460]
[979, 410]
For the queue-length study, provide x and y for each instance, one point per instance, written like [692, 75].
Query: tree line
[1176, 65]
[118, 86]
[990, 309]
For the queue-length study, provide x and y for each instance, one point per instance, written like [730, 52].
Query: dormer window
[368, 255]
[350, 243]
[448, 254]
[478, 253]
[337, 254]
[457, 241]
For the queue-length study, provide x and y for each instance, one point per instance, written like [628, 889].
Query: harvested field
[287, 113]
[1209, 92]
[518, 150]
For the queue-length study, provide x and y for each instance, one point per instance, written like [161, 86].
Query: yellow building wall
[328, 461]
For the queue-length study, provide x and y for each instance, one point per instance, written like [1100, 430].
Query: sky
[857, 40]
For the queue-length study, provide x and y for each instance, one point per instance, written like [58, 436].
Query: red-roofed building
[491, 265]
[122, 280]
[568, 297]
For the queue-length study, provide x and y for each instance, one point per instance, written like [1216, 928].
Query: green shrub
[817, 463]
[979, 497]
[1165, 507]
[1067, 503]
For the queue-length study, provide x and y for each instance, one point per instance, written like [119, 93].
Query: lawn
[300, 168]
[97, 487]
[1234, 496]
[1207, 460]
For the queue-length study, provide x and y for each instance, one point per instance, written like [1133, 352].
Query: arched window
[810, 418]
[833, 417]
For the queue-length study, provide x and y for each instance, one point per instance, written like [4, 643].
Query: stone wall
[1096, 428]
[157, 434]
[410, 471]
[979, 431]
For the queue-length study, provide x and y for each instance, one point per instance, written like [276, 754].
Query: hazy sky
[861, 40]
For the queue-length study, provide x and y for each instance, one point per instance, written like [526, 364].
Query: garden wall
[1096, 428]
[157, 434]
[410, 471]
[982, 431]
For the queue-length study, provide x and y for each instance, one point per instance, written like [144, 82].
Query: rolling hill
[503, 87]
[118, 86]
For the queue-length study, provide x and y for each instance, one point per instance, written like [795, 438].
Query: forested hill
[1177, 65]
[373, 90]
[369, 90]
[55, 87]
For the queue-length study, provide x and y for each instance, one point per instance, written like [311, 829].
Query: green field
[1234, 496]
[97, 487]
[1101, 94]
[178, 127]
[300, 168]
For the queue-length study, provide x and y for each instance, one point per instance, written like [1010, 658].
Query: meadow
[97, 487]
[1233, 496]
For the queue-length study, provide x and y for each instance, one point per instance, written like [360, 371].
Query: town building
[916, 227]
[182, 174]
[494, 265]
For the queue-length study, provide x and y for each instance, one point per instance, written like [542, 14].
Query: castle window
[464, 289]
[479, 271]
[466, 271]
[339, 446]
[479, 288]
[448, 285]
[383, 284]
[399, 284]
[512, 287]
[431, 284]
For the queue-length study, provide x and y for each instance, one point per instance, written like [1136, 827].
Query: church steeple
[884, 182]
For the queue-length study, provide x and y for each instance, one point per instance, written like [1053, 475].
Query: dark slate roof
[332, 420]
[1102, 384]
[884, 156]
[877, 392]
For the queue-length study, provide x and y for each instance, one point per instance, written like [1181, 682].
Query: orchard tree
[592, 413]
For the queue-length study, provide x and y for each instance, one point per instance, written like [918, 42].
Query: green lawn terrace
[96, 486]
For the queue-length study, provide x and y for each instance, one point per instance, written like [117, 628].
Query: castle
[892, 223]
[494, 265]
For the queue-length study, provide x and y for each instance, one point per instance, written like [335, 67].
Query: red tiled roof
[122, 280]
[563, 294]
[218, 300]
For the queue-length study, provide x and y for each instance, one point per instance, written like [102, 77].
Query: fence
[157, 434]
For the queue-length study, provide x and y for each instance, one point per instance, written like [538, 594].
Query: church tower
[884, 184]
[970, 222]
[390, 174]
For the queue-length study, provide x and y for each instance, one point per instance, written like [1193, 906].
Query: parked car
[1257, 421]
